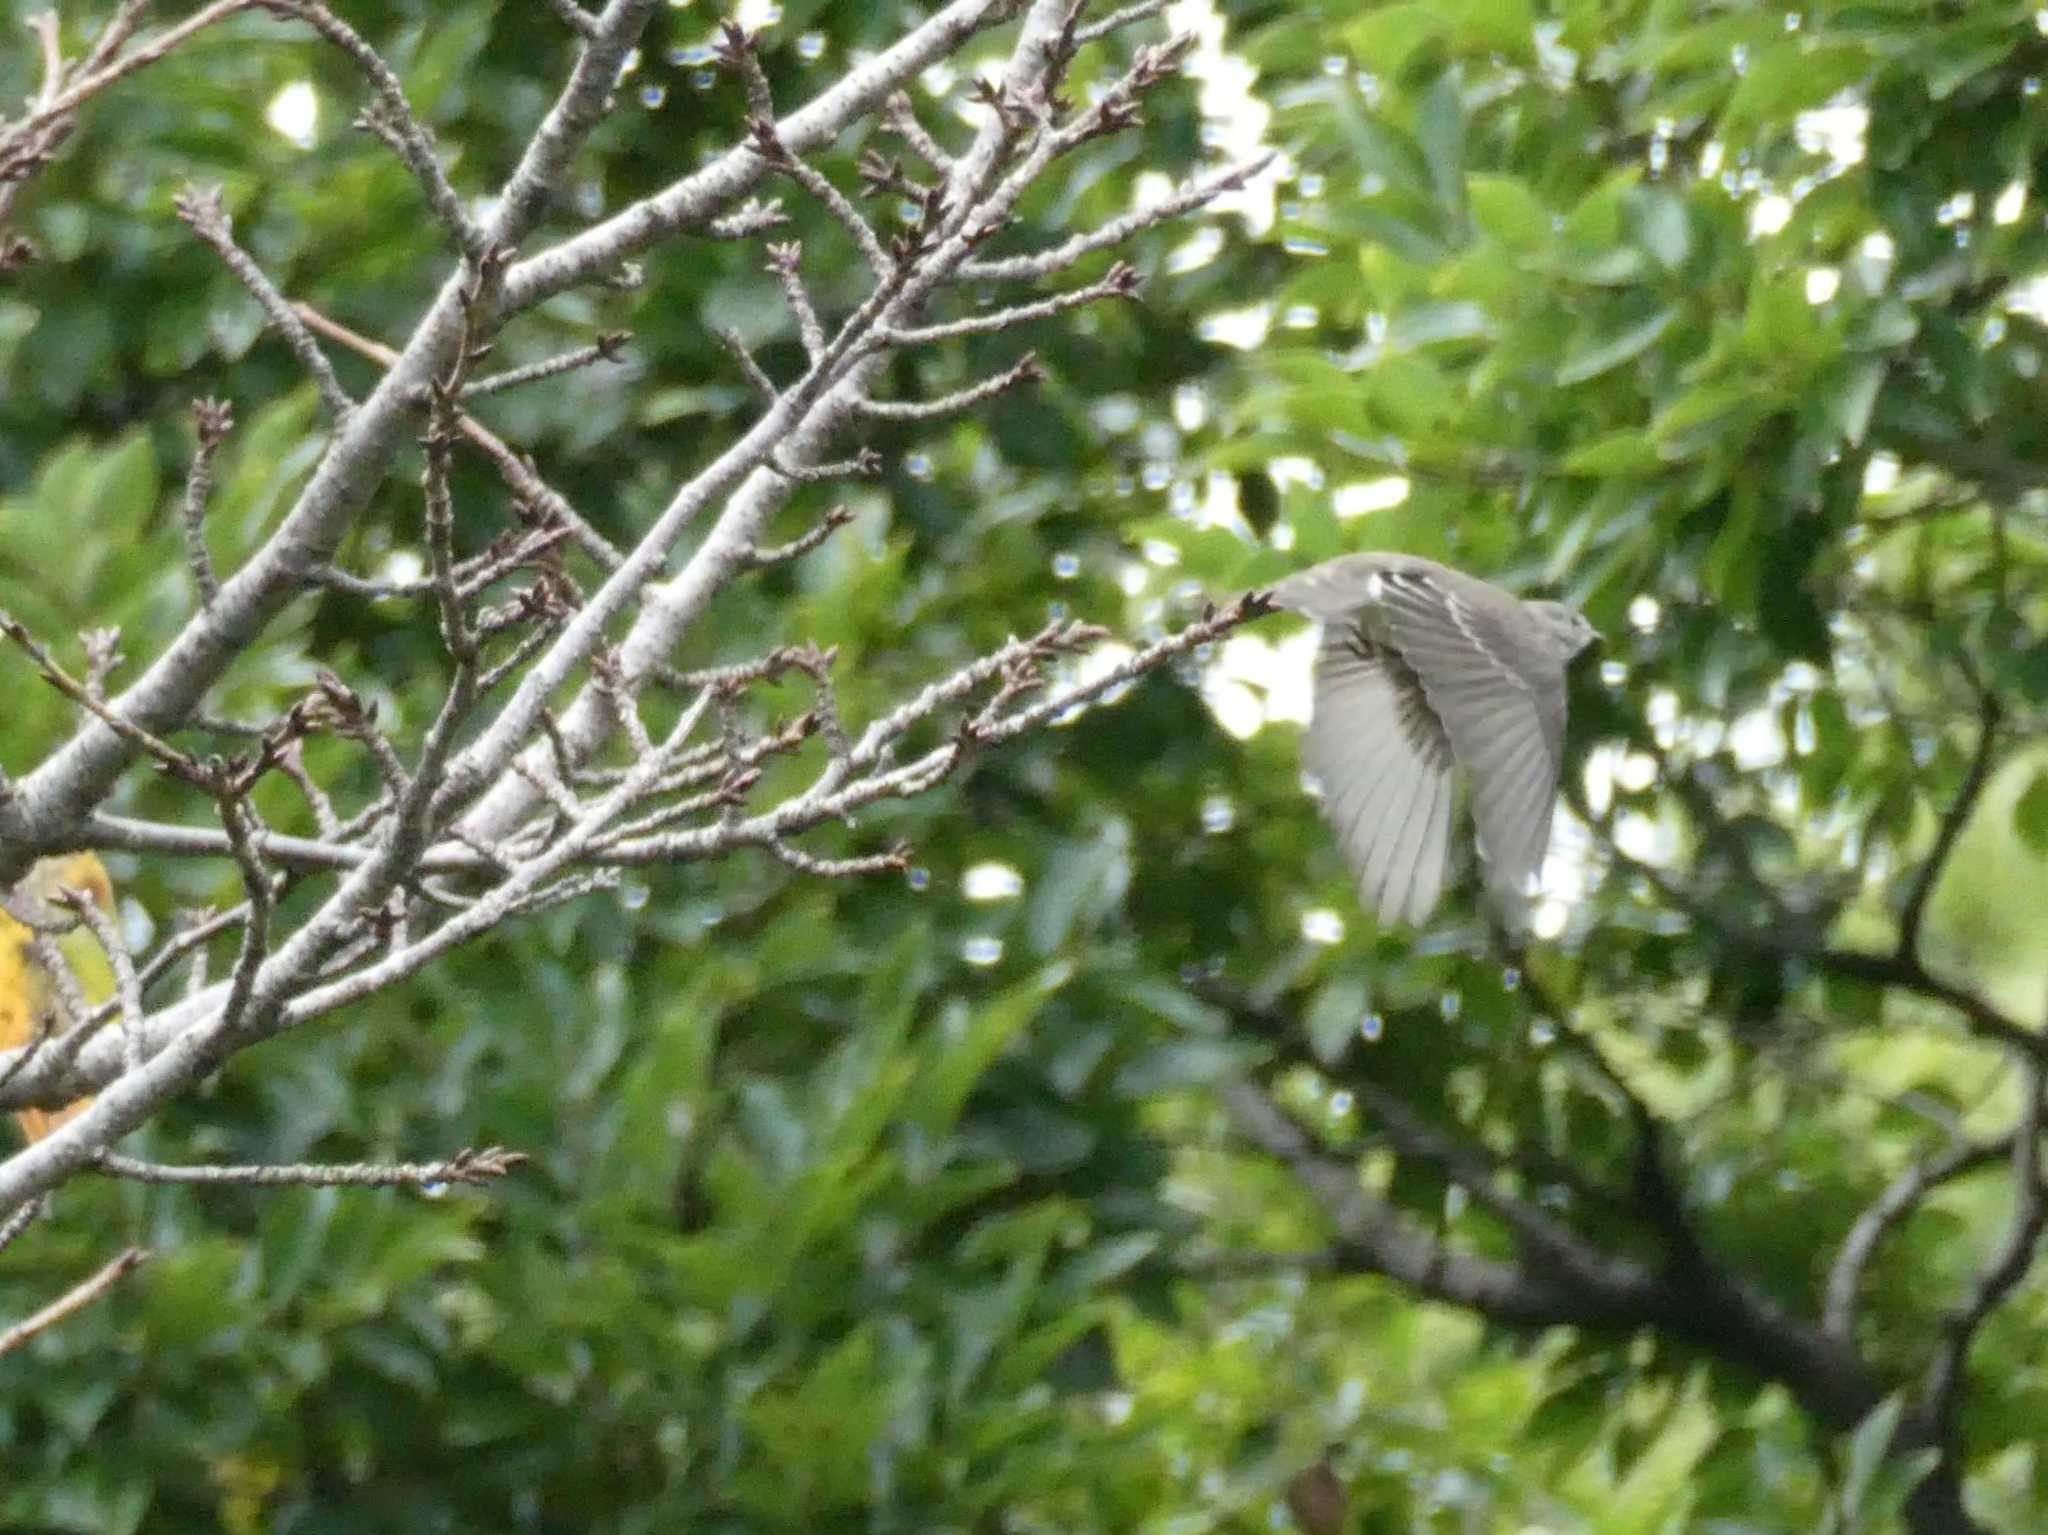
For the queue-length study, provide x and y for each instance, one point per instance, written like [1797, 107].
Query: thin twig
[392, 121]
[1026, 370]
[835, 202]
[780, 554]
[1121, 281]
[2002, 1274]
[54, 107]
[784, 262]
[1900, 1198]
[1116, 21]
[72, 1301]
[1952, 821]
[514, 470]
[762, 384]
[19, 1220]
[204, 211]
[901, 119]
[127, 987]
[165, 754]
[608, 347]
[1036, 268]
[466, 1166]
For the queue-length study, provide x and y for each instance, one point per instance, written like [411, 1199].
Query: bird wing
[1499, 698]
[1384, 764]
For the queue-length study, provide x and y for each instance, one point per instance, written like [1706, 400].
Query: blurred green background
[908, 1205]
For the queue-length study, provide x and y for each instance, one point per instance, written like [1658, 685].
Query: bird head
[1566, 627]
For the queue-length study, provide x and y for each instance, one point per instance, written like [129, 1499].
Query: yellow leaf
[27, 999]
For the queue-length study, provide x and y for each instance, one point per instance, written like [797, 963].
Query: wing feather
[1376, 745]
[1500, 704]
[1432, 859]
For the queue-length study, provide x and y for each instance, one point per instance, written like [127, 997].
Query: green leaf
[1663, 227]
[1382, 149]
[1383, 38]
[1440, 133]
[2030, 813]
[1708, 404]
[1868, 1448]
[1503, 28]
[1785, 80]
[189, 1294]
[1506, 210]
[1598, 355]
[1626, 453]
[935, 1101]
[1421, 325]
[1854, 399]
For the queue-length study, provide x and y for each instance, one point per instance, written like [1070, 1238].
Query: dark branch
[1951, 827]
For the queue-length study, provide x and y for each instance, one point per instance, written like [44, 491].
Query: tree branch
[1952, 823]
[72, 1301]
[1900, 1198]
[2011, 1263]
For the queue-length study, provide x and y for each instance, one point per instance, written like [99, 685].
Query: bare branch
[28, 141]
[1116, 21]
[698, 198]
[763, 385]
[749, 219]
[759, 559]
[466, 1166]
[70, 783]
[72, 1301]
[609, 347]
[20, 1220]
[900, 117]
[1117, 232]
[127, 986]
[1121, 281]
[240, 824]
[87, 698]
[516, 472]
[214, 419]
[895, 861]
[204, 211]
[503, 802]
[392, 121]
[1026, 370]
[783, 262]
[737, 52]
[864, 464]
[771, 148]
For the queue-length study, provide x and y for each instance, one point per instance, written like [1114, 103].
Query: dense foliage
[1071, 1183]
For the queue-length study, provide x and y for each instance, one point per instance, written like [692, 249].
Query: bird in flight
[1422, 670]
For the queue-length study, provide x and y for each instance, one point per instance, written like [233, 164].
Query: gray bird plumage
[1424, 670]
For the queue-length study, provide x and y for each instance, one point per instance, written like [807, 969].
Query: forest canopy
[646, 607]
